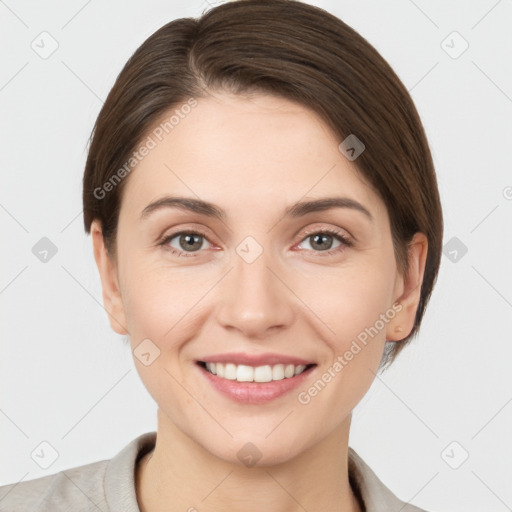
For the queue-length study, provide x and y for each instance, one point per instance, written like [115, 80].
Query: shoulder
[80, 487]
[371, 490]
[99, 486]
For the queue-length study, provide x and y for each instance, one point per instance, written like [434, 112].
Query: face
[262, 290]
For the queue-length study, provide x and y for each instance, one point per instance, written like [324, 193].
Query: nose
[255, 298]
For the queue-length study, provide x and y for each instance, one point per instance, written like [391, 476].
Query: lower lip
[255, 392]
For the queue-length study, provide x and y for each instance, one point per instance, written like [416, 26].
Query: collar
[119, 480]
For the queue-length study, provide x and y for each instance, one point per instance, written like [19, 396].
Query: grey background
[69, 381]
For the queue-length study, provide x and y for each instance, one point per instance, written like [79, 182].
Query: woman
[267, 227]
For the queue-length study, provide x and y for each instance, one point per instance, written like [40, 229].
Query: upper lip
[255, 359]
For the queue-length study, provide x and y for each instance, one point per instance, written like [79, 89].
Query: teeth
[230, 371]
[263, 373]
[278, 372]
[244, 373]
[299, 369]
[289, 371]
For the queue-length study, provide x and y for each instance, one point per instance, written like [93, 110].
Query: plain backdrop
[436, 426]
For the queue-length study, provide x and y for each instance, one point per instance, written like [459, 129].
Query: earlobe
[409, 298]
[112, 299]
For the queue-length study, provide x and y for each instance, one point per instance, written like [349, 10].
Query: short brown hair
[298, 52]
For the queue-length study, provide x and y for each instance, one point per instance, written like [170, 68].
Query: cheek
[360, 308]
[159, 307]
[352, 299]
[354, 312]
[166, 305]
[154, 304]
[357, 309]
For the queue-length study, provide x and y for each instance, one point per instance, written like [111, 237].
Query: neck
[178, 474]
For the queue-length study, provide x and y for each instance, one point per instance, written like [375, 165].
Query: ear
[112, 300]
[408, 290]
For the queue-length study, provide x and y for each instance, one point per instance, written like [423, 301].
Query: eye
[322, 240]
[190, 241]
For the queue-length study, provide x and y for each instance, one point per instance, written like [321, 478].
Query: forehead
[247, 153]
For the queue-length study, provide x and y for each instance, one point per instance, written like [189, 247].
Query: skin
[252, 156]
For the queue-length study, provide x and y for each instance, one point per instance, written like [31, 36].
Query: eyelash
[328, 231]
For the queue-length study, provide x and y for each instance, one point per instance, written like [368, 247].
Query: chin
[258, 450]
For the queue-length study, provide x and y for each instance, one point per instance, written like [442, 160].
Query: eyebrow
[298, 209]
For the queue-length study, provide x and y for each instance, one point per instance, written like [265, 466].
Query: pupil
[189, 241]
[316, 237]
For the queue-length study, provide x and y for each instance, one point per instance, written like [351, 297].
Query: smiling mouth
[245, 373]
